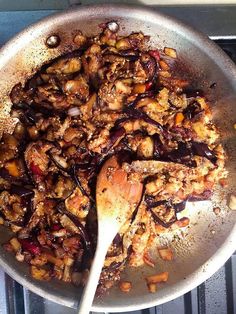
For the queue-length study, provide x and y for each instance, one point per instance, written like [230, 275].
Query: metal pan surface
[210, 240]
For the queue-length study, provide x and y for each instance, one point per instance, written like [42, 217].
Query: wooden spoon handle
[95, 271]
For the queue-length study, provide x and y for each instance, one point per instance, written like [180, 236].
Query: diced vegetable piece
[139, 88]
[12, 168]
[15, 244]
[152, 287]
[54, 260]
[166, 254]
[164, 66]
[123, 44]
[78, 86]
[146, 147]
[67, 270]
[79, 39]
[182, 222]
[89, 104]
[125, 286]
[39, 260]
[162, 277]
[74, 111]
[59, 233]
[170, 52]
[20, 257]
[77, 204]
[165, 74]
[179, 117]
[147, 101]
[40, 273]
[65, 66]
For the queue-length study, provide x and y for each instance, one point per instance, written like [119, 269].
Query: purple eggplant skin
[151, 68]
[192, 111]
[129, 54]
[180, 206]
[135, 114]
[83, 232]
[206, 195]
[193, 93]
[115, 136]
[183, 154]
[185, 151]
[117, 240]
[159, 148]
[21, 191]
[151, 203]
[160, 221]
[114, 266]
[202, 149]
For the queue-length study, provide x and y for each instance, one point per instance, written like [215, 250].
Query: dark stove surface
[229, 46]
[215, 296]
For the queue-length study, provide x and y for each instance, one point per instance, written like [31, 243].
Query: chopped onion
[85, 236]
[74, 111]
[60, 161]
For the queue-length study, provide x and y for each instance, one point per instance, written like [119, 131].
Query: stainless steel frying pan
[211, 239]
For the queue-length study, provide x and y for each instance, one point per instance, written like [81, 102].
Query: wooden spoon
[116, 198]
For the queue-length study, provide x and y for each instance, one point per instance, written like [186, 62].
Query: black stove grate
[229, 46]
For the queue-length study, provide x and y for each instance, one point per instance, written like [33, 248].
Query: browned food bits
[164, 66]
[80, 39]
[15, 244]
[216, 210]
[232, 202]
[125, 286]
[170, 52]
[182, 222]
[40, 273]
[223, 182]
[162, 277]
[166, 254]
[148, 260]
[152, 287]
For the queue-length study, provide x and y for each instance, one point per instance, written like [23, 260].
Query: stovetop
[215, 296]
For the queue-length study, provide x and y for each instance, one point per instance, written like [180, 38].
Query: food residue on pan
[232, 202]
[111, 96]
